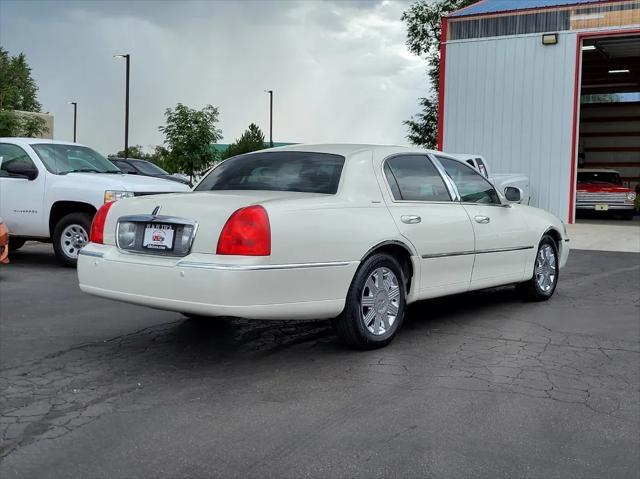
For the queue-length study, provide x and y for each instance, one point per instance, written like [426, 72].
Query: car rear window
[299, 171]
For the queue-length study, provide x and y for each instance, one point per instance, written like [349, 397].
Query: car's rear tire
[70, 235]
[16, 243]
[375, 305]
[628, 215]
[545, 272]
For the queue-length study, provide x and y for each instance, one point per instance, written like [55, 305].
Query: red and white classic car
[601, 190]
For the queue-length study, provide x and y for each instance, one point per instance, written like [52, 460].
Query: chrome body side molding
[481, 251]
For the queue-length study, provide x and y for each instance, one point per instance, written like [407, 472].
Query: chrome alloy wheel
[73, 238]
[545, 271]
[380, 301]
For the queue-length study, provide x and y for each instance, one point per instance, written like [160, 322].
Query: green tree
[188, 136]
[135, 151]
[251, 140]
[423, 20]
[18, 91]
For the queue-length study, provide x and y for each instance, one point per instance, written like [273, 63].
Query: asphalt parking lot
[479, 385]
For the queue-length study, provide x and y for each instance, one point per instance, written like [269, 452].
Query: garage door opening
[608, 129]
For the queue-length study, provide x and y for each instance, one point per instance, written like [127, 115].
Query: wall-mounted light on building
[619, 71]
[550, 39]
[588, 48]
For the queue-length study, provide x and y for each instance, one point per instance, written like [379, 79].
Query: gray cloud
[339, 69]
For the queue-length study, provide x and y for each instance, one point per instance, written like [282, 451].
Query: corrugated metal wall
[511, 100]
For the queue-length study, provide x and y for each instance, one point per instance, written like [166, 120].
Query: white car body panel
[26, 205]
[317, 244]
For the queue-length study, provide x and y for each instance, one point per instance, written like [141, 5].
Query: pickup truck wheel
[375, 304]
[628, 215]
[16, 243]
[545, 273]
[70, 235]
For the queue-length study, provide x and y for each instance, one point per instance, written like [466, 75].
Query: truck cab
[50, 191]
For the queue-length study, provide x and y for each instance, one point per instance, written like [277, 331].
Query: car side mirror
[26, 170]
[513, 194]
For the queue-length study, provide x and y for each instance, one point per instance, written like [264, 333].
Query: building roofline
[456, 14]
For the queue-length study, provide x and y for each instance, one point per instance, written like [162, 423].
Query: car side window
[471, 185]
[414, 178]
[13, 155]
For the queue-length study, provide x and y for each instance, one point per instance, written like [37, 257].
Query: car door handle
[482, 219]
[410, 219]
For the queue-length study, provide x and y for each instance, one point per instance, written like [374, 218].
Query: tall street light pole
[127, 57]
[75, 118]
[270, 92]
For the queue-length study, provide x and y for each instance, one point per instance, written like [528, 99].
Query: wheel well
[556, 237]
[61, 209]
[400, 253]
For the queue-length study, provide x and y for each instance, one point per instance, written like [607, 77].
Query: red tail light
[247, 233]
[97, 225]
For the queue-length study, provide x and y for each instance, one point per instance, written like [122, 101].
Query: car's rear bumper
[200, 284]
[592, 207]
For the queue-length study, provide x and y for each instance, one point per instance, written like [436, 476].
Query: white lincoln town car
[348, 232]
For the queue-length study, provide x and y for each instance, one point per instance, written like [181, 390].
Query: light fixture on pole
[270, 92]
[75, 118]
[127, 57]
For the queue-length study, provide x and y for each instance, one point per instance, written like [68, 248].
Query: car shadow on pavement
[34, 255]
[203, 341]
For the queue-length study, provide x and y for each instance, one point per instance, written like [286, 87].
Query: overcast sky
[339, 69]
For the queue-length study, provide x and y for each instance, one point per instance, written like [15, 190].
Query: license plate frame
[602, 207]
[159, 237]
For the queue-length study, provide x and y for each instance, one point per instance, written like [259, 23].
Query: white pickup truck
[500, 181]
[50, 191]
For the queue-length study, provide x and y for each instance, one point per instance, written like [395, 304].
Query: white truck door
[22, 184]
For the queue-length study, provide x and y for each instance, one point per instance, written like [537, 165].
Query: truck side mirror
[513, 194]
[19, 169]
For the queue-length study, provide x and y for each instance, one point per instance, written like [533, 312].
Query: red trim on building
[443, 60]
[576, 104]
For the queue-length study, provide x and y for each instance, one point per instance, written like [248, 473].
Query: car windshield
[61, 159]
[304, 172]
[148, 168]
[599, 177]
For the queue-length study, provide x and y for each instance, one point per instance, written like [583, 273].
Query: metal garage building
[512, 79]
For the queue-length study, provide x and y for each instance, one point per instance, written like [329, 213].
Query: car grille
[602, 198]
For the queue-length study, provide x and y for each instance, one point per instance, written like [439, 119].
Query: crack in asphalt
[495, 353]
[48, 398]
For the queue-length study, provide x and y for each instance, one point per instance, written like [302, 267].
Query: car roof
[34, 141]
[348, 149]
[128, 159]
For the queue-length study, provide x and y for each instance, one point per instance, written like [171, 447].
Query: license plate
[602, 207]
[158, 237]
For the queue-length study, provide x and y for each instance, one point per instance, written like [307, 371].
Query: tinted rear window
[304, 172]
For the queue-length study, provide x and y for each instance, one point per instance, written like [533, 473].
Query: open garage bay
[480, 385]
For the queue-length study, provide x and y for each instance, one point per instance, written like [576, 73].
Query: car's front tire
[375, 305]
[70, 235]
[545, 272]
